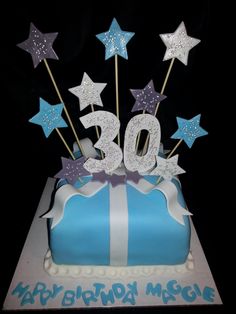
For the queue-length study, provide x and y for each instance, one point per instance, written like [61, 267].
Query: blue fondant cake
[90, 231]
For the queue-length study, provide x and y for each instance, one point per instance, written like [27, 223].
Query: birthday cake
[116, 207]
[122, 219]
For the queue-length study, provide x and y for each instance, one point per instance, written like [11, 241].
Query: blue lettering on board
[173, 289]
[107, 295]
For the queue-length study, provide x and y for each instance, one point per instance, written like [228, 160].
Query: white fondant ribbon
[118, 225]
[87, 146]
[170, 192]
[118, 215]
[63, 195]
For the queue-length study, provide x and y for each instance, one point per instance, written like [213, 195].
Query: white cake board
[29, 271]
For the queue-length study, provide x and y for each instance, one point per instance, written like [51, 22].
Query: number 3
[110, 126]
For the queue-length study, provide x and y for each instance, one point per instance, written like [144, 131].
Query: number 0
[132, 161]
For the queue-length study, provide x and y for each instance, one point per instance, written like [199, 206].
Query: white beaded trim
[76, 271]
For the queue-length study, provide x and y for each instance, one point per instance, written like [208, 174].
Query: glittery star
[189, 130]
[167, 168]
[49, 117]
[72, 169]
[147, 98]
[115, 40]
[115, 179]
[88, 92]
[178, 44]
[39, 45]
[100, 176]
[133, 176]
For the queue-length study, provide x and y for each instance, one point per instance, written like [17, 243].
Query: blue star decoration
[115, 40]
[147, 98]
[189, 130]
[49, 117]
[39, 45]
[72, 169]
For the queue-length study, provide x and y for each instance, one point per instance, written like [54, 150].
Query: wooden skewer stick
[159, 179]
[61, 100]
[97, 131]
[158, 104]
[174, 149]
[170, 154]
[117, 96]
[63, 140]
[166, 78]
[138, 139]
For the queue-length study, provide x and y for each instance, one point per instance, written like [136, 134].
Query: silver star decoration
[178, 44]
[88, 92]
[167, 168]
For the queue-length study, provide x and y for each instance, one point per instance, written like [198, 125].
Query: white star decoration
[178, 44]
[88, 92]
[167, 168]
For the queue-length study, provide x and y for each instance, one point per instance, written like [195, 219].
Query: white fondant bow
[168, 188]
[64, 193]
[170, 192]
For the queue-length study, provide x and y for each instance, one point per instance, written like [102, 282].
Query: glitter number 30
[113, 155]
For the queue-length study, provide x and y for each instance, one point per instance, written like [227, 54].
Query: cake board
[32, 287]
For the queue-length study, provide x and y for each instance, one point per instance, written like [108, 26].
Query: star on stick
[72, 169]
[115, 40]
[39, 45]
[88, 92]
[49, 117]
[189, 130]
[167, 168]
[178, 44]
[147, 98]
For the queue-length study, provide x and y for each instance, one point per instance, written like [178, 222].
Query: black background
[190, 90]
